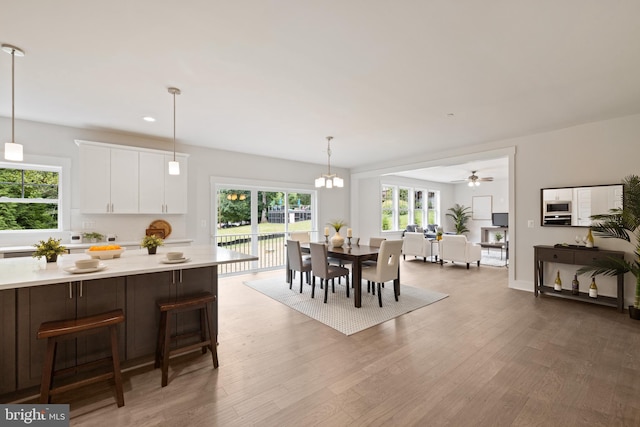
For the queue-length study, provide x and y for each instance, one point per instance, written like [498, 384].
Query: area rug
[339, 312]
[492, 258]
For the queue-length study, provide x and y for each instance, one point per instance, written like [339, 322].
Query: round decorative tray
[162, 225]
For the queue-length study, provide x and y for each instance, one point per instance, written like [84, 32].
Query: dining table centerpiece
[337, 240]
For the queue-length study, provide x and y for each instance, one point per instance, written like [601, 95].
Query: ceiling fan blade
[489, 178]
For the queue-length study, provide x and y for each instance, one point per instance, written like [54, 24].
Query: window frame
[45, 163]
[395, 213]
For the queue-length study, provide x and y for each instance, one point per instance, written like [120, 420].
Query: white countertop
[26, 271]
[30, 248]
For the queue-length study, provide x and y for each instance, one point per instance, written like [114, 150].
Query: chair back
[375, 242]
[453, 247]
[388, 260]
[300, 236]
[319, 263]
[294, 255]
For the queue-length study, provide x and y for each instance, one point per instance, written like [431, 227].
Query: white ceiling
[275, 78]
[498, 169]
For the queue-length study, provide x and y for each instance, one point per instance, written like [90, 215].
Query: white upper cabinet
[128, 180]
[105, 180]
[557, 194]
[159, 191]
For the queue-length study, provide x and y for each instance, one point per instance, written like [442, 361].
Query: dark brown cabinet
[8, 341]
[576, 256]
[143, 317]
[64, 301]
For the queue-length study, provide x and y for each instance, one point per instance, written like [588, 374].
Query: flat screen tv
[500, 219]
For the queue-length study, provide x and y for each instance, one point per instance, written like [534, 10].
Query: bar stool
[199, 302]
[61, 330]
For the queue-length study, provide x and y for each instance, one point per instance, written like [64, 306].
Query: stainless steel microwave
[557, 207]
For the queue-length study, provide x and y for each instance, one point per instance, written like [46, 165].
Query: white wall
[41, 140]
[595, 153]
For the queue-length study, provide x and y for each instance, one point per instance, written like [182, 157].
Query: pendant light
[329, 180]
[12, 151]
[174, 166]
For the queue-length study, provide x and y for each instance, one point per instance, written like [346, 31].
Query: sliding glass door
[257, 221]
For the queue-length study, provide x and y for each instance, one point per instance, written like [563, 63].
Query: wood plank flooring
[486, 356]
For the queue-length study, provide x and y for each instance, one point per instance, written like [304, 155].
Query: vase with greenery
[337, 240]
[151, 243]
[49, 249]
[621, 223]
[92, 236]
[498, 236]
[460, 215]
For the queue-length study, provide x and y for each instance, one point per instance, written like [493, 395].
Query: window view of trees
[403, 206]
[28, 199]
[387, 208]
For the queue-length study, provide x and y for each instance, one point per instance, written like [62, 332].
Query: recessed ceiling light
[148, 119]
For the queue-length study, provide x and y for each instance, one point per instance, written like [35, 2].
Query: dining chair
[296, 262]
[322, 269]
[302, 237]
[386, 267]
[374, 242]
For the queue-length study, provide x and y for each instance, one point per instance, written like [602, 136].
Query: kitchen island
[33, 291]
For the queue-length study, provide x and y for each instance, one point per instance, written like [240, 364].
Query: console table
[575, 255]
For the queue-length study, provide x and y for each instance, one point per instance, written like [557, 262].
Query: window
[29, 197]
[402, 206]
[387, 208]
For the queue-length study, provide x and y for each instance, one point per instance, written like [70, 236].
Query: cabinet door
[93, 297]
[95, 179]
[36, 305]
[7, 341]
[143, 317]
[196, 280]
[151, 183]
[124, 180]
[175, 187]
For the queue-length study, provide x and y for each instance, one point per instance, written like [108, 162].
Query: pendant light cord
[174, 126]
[329, 138]
[13, 102]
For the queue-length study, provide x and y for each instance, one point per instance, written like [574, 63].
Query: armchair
[456, 248]
[415, 244]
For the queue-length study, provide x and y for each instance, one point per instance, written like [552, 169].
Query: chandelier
[329, 180]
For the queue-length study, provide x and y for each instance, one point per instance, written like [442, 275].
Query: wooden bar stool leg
[117, 377]
[47, 371]
[161, 336]
[203, 328]
[213, 347]
[165, 354]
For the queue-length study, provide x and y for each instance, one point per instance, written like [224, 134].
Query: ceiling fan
[475, 180]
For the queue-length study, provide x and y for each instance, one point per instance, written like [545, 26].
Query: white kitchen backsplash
[127, 228]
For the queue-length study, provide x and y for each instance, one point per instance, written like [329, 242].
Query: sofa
[429, 231]
[456, 248]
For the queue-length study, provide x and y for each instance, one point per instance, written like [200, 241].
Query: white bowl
[174, 255]
[113, 253]
[87, 263]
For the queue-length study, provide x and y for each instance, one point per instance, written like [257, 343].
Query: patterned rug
[339, 312]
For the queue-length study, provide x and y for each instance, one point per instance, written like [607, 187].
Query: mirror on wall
[574, 206]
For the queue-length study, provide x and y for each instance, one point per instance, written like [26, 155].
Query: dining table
[356, 254]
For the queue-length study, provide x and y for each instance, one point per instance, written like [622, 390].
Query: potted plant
[49, 249]
[439, 233]
[337, 240]
[460, 215]
[151, 242]
[92, 236]
[622, 224]
[498, 236]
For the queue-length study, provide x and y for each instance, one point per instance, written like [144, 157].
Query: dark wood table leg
[357, 282]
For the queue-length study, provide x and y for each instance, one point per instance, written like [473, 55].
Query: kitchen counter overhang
[27, 272]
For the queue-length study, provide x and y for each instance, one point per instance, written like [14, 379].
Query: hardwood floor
[486, 356]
